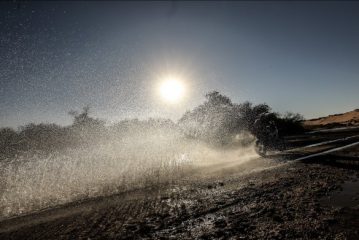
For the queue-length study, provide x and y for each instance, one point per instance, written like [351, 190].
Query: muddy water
[347, 196]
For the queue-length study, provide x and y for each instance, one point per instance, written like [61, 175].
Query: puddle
[348, 196]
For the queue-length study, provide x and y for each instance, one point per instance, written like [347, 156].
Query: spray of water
[32, 183]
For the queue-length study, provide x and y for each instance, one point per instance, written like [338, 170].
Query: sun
[172, 90]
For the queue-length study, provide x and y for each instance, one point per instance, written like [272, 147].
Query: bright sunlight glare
[172, 90]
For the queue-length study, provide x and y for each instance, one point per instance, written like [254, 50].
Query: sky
[60, 56]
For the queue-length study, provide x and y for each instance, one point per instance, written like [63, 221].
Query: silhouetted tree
[86, 129]
[214, 121]
[249, 113]
[214, 98]
[218, 120]
[83, 120]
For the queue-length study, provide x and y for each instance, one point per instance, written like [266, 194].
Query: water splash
[32, 183]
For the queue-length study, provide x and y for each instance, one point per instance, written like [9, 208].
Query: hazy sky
[54, 57]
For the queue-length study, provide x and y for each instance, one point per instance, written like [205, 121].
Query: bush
[290, 123]
[218, 120]
[9, 141]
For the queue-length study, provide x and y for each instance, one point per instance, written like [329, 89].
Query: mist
[156, 159]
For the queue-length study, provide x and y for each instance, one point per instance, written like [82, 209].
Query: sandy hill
[344, 119]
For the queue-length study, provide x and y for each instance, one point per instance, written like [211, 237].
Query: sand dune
[348, 119]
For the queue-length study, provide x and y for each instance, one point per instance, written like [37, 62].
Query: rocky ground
[282, 200]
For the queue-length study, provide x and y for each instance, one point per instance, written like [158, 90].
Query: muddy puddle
[346, 196]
